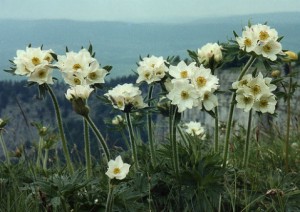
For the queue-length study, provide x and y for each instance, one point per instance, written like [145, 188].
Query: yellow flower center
[267, 48]
[201, 81]
[35, 61]
[42, 74]
[206, 96]
[76, 66]
[120, 104]
[117, 171]
[147, 75]
[184, 95]
[48, 58]
[247, 42]
[76, 81]
[263, 35]
[243, 82]
[263, 103]
[152, 65]
[256, 89]
[92, 75]
[247, 100]
[183, 74]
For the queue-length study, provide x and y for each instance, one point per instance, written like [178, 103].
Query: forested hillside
[22, 105]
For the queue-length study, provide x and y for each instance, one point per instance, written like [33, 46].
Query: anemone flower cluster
[151, 69]
[192, 86]
[34, 63]
[260, 39]
[210, 51]
[126, 97]
[80, 68]
[255, 93]
[195, 129]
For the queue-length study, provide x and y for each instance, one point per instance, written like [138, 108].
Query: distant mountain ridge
[120, 44]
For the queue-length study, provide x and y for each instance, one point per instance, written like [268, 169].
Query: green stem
[39, 153]
[99, 136]
[109, 201]
[216, 132]
[231, 109]
[247, 144]
[61, 131]
[150, 129]
[288, 120]
[175, 156]
[132, 141]
[87, 149]
[4, 148]
[45, 159]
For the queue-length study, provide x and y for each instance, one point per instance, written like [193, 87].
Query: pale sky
[139, 10]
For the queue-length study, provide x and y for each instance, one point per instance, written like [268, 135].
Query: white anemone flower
[26, 61]
[95, 74]
[269, 49]
[204, 81]
[244, 101]
[41, 75]
[79, 92]
[151, 69]
[208, 51]
[182, 70]
[117, 169]
[256, 87]
[264, 32]
[195, 129]
[183, 94]
[248, 41]
[243, 82]
[125, 95]
[75, 62]
[210, 101]
[145, 74]
[265, 104]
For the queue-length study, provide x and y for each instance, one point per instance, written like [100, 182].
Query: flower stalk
[247, 143]
[61, 130]
[216, 132]
[288, 118]
[172, 131]
[150, 129]
[132, 141]
[99, 136]
[109, 201]
[231, 109]
[87, 149]
[45, 159]
[4, 148]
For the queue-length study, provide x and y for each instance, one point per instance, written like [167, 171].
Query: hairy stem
[87, 149]
[231, 109]
[99, 136]
[216, 132]
[247, 144]
[288, 119]
[132, 141]
[109, 201]
[61, 131]
[150, 129]
[174, 147]
[4, 148]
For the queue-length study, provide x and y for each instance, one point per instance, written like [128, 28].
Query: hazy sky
[139, 10]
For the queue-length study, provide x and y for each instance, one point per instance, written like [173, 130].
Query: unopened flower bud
[118, 119]
[276, 73]
[290, 56]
